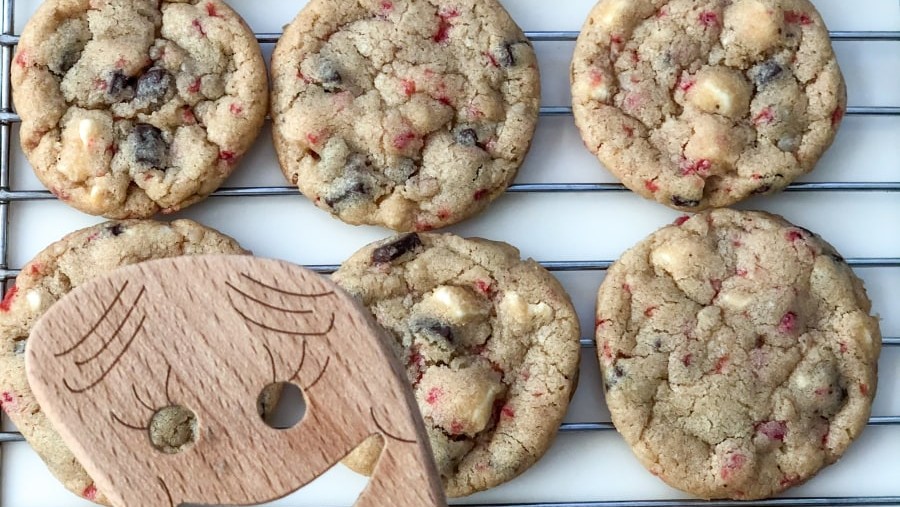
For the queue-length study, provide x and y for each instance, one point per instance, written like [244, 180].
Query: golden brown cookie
[738, 353]
[703, 103]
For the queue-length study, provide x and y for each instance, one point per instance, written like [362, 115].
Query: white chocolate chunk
[722, 91]
[456, 305]
[87, 130]
[734, 300]
[34, 300]
[460, 401]
[610, 14]
[751, 27]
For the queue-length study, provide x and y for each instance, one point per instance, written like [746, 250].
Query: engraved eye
[173, 429]
[281, 405]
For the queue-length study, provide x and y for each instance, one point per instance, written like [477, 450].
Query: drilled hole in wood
[288, 411]
[173, 429]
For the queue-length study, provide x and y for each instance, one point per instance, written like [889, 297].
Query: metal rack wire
[8, 119]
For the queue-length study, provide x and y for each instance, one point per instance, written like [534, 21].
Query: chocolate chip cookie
[703, 103]
[408, 114]
[47, 278]
[130, 107]
[491, 348]
[737, 352]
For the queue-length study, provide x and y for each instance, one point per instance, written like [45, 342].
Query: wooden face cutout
[201, 337]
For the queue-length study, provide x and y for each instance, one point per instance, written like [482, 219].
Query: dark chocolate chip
[763, 189]
[348, 192]
[657, 344]
[397, 248]
[153, 85]
[504, 55]
[66, 61]
[120, 86]
[765, 72]
[618, 371]
[837, 258]
[760, 341]
[116, 229]
[149, 146]
[433, 328]
[329, 75]
[467, 137]
[402, 170]
[684, 203]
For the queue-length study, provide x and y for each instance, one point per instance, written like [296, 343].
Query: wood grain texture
[209, 333]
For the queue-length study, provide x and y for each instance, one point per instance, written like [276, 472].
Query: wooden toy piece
[206, 335]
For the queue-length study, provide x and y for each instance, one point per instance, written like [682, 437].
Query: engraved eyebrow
[97, 324]
[299, 366]
[382, 430]
[115, 334]
[140, 326]
[287, 292]
[271, 362]
[123, 423]
[321, 374]
[267, 305]
[284, 331]
[140, 400]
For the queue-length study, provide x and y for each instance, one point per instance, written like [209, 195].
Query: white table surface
[570, 226]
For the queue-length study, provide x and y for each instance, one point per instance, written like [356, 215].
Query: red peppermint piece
[687, 360]
[797, 18]
[228, 156]
[788, 322]
[709, 18]
[699, 167]
[443, 214]
[651, 185]
[211, 9]
[721, 363]
[775, 430]
[444, 25]
[507, 412]
[8, 299]
[733, 463]
[401, 141]
[793, 235]
[195, 86]
[409, 87]
[764, 117]
[434, 394]
[484, 287]
[480, 194]
[682, 219]
[837, 116]
[199, 27]
[90, 492]
[235, 109]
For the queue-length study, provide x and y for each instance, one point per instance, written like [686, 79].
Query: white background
[585, 226]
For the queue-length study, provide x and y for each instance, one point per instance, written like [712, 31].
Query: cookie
[411, 114]
[491, 348]
[48, 277]
[130, 107]
[704, 103]
[737, 353]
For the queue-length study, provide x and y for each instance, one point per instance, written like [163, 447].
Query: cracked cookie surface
[130, 107]
[737, 353]
[408, 114]
[491, 348]
[703, 103]
[55, 271]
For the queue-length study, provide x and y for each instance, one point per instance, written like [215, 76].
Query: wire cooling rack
[551, 484]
